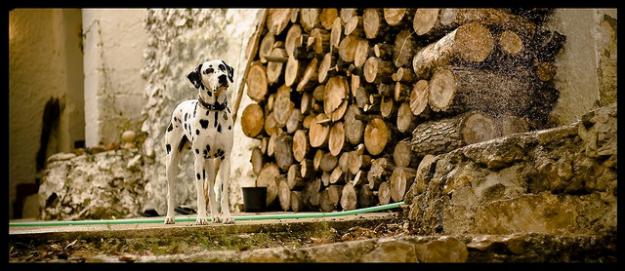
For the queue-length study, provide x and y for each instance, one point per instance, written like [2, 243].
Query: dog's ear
[230, 72]
[195, 77]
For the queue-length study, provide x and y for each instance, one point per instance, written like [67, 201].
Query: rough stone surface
[561, 180]
[527, 247]
[178, 40]
[92, 186]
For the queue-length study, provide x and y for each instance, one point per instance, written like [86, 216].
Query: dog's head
[212, 77]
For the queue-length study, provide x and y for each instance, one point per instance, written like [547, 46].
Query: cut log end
[424, 20]
[377, 135]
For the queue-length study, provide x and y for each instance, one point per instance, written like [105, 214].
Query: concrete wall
[586, 66]
[45, 61]
[114, 40]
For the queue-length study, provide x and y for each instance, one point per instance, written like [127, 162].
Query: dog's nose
[223, 80]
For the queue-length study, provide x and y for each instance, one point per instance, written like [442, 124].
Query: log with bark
[460, 89]
[436, 137]
[471, 43]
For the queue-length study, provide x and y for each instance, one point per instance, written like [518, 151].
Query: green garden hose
[192, 218]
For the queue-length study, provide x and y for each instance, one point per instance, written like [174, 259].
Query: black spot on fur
[183, 142]
[209, 70]
[222, 67]
[168, 147]
[219, 128]
[208, 148]
[205, 153]
[203, 174]
[229, 127]
[186, 116]
[197, 175]
[176, 119]
[204, 123]
[197, 151]
[216, 118]
[171, 127]
[197, 131]
[195, 109]
[210, 94]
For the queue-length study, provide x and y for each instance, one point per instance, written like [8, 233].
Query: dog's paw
[170, 220]
[216, 219]
[201, 220]
[226, 219]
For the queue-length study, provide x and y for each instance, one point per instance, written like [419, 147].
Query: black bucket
[254, 199]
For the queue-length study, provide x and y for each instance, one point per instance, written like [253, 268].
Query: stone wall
[178, 40]
[45, 62]
[561, 180]
[113, 40]
[105, 185]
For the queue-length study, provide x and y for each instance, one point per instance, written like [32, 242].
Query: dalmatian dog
[204, 126]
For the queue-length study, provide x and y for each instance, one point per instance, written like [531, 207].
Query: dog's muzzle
[223, 80]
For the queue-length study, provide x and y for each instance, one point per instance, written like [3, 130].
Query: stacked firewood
[349, 101]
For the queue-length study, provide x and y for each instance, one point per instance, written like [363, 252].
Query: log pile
[349, 101]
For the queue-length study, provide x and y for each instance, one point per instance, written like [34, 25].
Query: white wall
[114, 40]
[44, 61]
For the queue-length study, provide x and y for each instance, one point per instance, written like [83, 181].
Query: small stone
[442, 250]
[128, 136]
[392, 251]
[60, 157]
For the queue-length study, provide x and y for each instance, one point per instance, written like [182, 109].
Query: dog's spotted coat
[204, 126]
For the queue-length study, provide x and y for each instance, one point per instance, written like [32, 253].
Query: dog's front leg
[224, 173]
[200, 176]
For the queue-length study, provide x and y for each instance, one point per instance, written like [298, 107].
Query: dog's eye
[222, 67]
[209, 70]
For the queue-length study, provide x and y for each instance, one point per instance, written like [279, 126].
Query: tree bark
[436, 137]
[471, 42]
[460, 89]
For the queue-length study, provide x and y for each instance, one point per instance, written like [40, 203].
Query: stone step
[535, 247]
[561, 180]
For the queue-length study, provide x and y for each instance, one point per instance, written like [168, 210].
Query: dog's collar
[215, 107]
